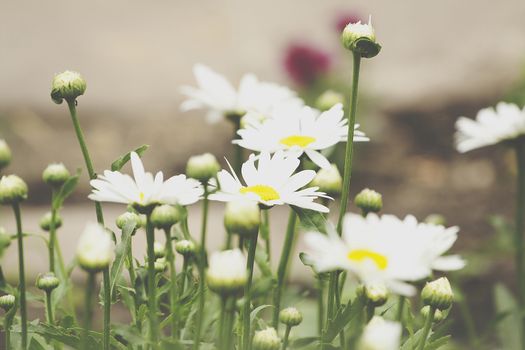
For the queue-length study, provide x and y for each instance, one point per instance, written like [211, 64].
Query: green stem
[107, 306]
[320, 304]
[185, 272]
[222, 323]
[152, 295]
[88, 311]
[202, 268]
[7, 330]
[247, 292]
[283, 264]
[400, 308]
[49, 308]
[520, 223]
[286, 336]
[265, 232]
[83, 147]
[21, 274]
[170, 256]
[52, 235]
[427, 327]
[228, 320]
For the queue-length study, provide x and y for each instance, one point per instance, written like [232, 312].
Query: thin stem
[88, 311]
[202, 268]
[83, 147]
[152, 296]
[520, 225]
[248, 292]
[400, 308]
[52, 235]
[265, 232]
[21, 274]
[286, 336]
[185, 272]
[283, 264]
[320, 304]
[107, 307]
[170, 256]
[49, 308]
[222, 322]
[7, 330]
[427, 328]
[228, 320]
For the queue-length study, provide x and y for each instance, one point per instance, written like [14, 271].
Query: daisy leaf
[122, 160]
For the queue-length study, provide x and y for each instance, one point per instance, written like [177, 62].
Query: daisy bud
[95, 248]
[369, 201]
[242, 217]
[126, 217]
[47, 282]
[438, 294]
[45, 221]
[380, 334]
[436, 219]
[164, 216]
[185, 247]
[376, 294]
[7, 302]
[12, 189]
[290, 317]
[159, 249]
[267, 339]
[203, 167]
[67, 86]
[438, 314]
[329, 181]
[55, 175]
[361, 39]
[160, 265]
[227, 272]
[328, 99]
[5, 154]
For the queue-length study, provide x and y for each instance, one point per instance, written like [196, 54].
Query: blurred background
[440, 60]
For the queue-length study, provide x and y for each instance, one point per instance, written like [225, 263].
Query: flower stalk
[152, 296]
[247, 292]
[21, 274]
[520, 225]
[170, 256]
[426, 328]
[88, 309]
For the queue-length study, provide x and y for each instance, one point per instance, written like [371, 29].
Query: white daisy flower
[144, 189]
[301, 129]
[492, 125]
[385, 250]
[272, 182]
[219, 96]
[380, 334]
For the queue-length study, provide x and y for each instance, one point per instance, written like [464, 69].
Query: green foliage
[122, 160]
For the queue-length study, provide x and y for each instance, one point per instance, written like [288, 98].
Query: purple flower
[305, 63]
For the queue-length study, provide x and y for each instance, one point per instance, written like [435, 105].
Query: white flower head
[385, 249]
[380, 334]
[300, 130]
[227, 271]
[216, 94]
[144, 189]
[272, 182]
[95, 249]
[491, 126]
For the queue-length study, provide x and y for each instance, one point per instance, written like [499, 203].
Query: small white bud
[227, 272]
[438, 315]
[47, 281]
[159, 249]
[203, 167]
[380, 334]
[160, 265]
[185, 247]
[436, 219]
[164, 216]
[361, 39]
[7, 302]
[376, 294]
[55, 175]
[369, 201]
[45, 221]
[438, 294]
[12, 189]
[67, 86]
[242, 217]
[126, 217]
[328, 180]
[290, 317]
[267, 339]
[95, 248]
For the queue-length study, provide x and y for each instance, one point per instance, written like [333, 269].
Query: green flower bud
[369, 201]
[203, 167]
[45, 221]
[47, 281]
[165, 216]
[227, 272]
[12, 189]
[267, 339]
[5, 154]
[436, 219]
[438, 294]
[242, 217]
[7, 302]
[329, 181]
[185, 247]
[290, 317]
[55, 175]
[159, 249]
[438, 315]
[328, 99]
[160, 265]
[126, 217]
[376, 294]
[95, 249]
[361, 39]
[67, 86]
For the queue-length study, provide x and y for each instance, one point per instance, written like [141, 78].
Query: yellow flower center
[297, 140]
[360, 255]
[266, 193]
[141, 197]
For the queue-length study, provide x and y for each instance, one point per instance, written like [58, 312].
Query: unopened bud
[47, 282]
[438, 314]
[329, 181]
[7, 302]
[67, 86]
[160, 265]
[361, 39]
[55, 175]
[45, 221]
[159, 249]
[290, 317]
[242, 217]
[185, 247]
[267, 339]
[164, 216]
[438, 294]
[380, 334]
[5, 154]
[123, 219]
[328, 99]
[227, 272]
[12, 190]
[95, 248]
[376, 294]
[369, 201]
[436, 219]
[203, 167]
